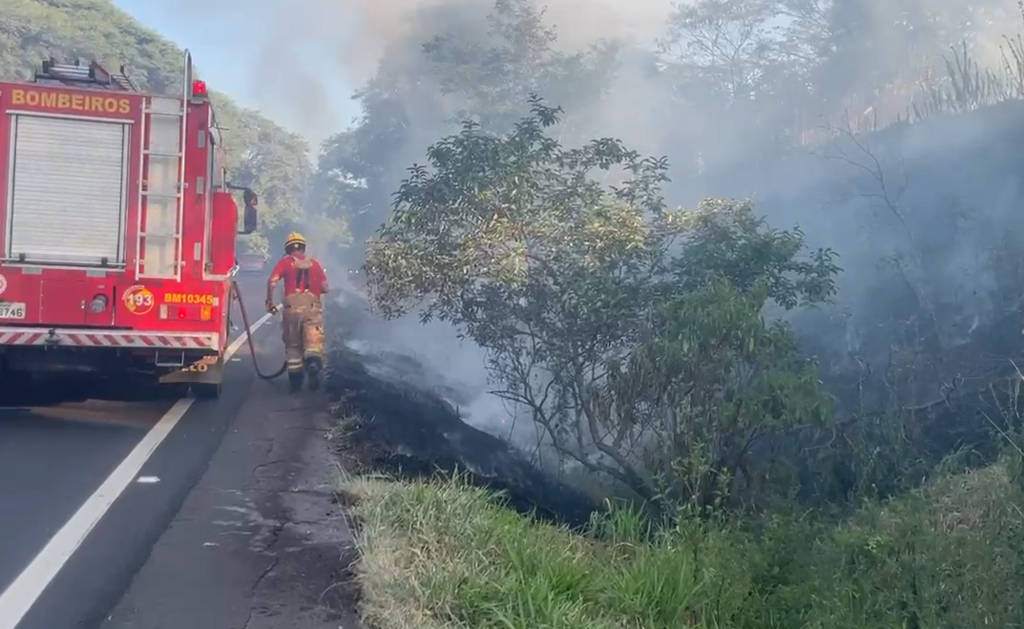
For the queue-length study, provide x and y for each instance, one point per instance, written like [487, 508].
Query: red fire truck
[118, 229]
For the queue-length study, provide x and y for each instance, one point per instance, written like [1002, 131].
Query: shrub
[633, 335]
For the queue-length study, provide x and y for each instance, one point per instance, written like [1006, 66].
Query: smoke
[913, 212]
[579, 24]
[303, 59]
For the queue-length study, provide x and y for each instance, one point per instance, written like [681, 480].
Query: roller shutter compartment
[68, 191]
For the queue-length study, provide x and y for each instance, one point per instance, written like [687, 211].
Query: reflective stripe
[93, 338]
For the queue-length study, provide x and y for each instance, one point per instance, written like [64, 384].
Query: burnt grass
[395, 426]
[391, 425]
[407, 431]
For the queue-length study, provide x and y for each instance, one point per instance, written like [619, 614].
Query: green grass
[439, 555]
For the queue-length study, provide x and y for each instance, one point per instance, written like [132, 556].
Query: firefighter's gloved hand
[271, 307]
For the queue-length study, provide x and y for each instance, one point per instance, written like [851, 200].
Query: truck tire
[207, 391]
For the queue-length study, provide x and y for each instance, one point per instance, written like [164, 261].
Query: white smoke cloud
[305, 57]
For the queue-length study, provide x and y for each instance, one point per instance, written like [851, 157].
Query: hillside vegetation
[659, 356]
[444, 555]
[633, 336]
[261, 154]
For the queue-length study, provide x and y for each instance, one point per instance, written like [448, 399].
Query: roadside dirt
[262, 541]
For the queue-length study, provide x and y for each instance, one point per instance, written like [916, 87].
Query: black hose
[248, 334]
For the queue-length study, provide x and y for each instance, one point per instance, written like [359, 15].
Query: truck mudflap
[206, 370]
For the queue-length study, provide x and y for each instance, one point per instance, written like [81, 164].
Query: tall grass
[964, 86]
[441, 555]
[968, 86]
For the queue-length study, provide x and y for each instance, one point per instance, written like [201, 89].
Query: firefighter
[304, 285]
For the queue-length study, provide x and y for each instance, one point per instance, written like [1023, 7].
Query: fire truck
[118, 229]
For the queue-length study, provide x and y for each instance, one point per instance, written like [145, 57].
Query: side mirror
[250, 216]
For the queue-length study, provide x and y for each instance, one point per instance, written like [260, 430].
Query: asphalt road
[54, 460]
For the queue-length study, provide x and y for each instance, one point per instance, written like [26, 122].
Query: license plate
[12, 310]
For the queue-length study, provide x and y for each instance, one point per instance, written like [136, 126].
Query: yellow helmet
[294, 238]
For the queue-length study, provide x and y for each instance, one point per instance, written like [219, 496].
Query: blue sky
[228, 52]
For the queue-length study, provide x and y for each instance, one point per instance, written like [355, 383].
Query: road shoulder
[260, 542]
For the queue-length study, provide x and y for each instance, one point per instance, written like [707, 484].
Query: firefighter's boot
[295, 379]
[314, 366]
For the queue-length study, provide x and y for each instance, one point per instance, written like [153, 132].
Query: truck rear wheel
[207, 391]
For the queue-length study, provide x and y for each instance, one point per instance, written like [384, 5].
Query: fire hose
[248, 336]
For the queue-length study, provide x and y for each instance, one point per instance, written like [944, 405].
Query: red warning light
[199, 88]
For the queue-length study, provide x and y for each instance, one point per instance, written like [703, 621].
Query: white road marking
[148, 480]
[233, 347]
[19, 597]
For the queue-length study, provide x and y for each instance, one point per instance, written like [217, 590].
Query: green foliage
[260, 154]
[949, 556]
[447, 555]
[632, 334]
[352, 179]
[647, 345]
[442, 555]
[31, 30]
[270, 160]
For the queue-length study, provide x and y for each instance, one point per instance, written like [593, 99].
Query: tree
[269, 159]
[481, 71]
[493, 76]
[356, 168]
[725, 49]
[632, 334]
[743, 66]
[775, 67]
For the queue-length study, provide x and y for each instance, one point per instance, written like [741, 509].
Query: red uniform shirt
[297, 280]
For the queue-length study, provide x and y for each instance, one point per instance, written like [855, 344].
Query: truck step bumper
[85, 337]
[208, 371]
